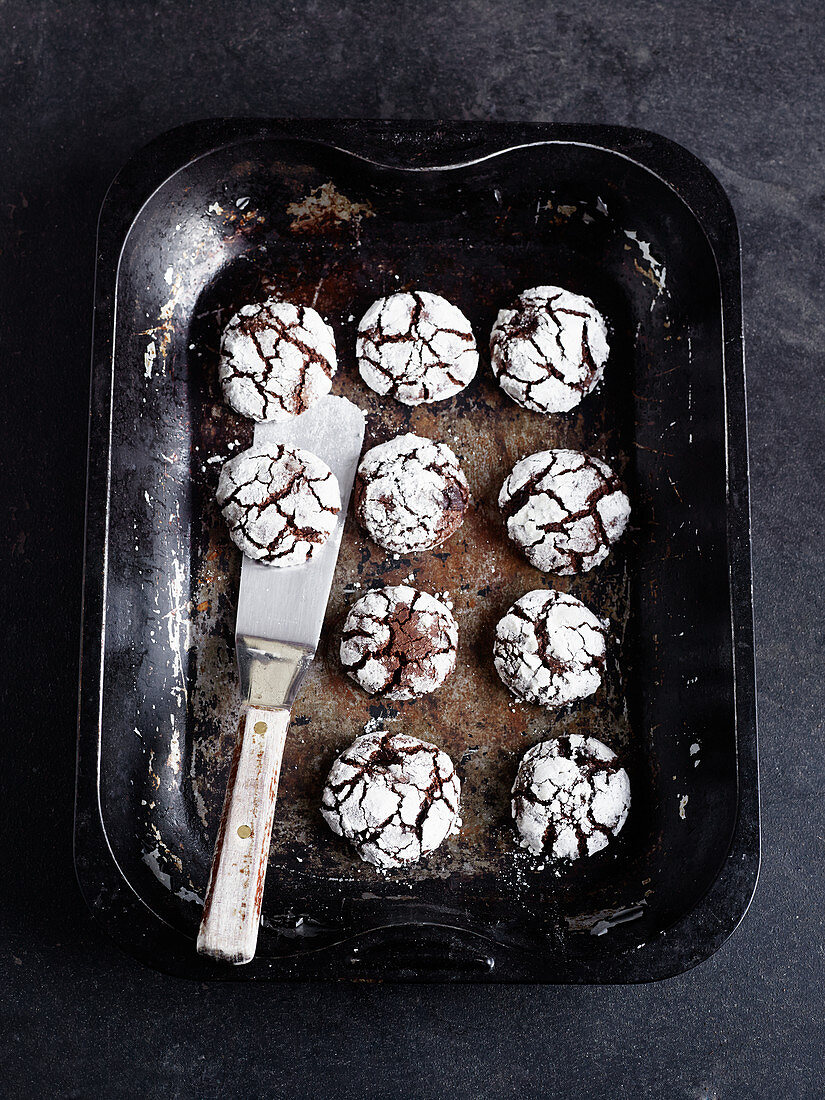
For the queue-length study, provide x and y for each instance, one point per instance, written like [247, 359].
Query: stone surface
[82, 87]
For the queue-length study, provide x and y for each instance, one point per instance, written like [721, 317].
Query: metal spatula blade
[280, 615]
[281, 611]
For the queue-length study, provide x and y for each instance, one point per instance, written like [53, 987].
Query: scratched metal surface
[322, 228]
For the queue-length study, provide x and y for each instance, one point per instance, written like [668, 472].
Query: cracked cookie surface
[417, 347]
[564, 509]
[549, 350]
[570, 797]
[549, 649]
[393, 797]
[280, 503]
[277, 359]
[399, 643]
[410, 494]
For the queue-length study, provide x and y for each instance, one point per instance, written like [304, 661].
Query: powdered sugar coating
[549, 649]
[395, 798]
[564, 509]
[410, 494]
[280, 503]
[417, 347]
[549, 350]
[277, 359]
[399, 642]
[570, 797]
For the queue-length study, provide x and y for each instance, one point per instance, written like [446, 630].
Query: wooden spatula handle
[232, 910]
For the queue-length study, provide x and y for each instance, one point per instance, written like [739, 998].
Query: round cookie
[410, 494]
[417, 347]
[280, 503]
[549, 350]
[549, 649]
[570, 797]
[277, 359]
[399, 643]
[393, 797]
[564, 509]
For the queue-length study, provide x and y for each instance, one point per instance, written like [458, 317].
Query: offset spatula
[280, 613]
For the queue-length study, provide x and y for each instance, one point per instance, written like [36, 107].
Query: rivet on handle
[244, 832]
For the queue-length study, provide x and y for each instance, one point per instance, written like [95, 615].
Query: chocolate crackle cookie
[410, 494]
[399, 642]
[417, 347]
[280, 503]
[570, 797]
[277, 359]
[564, 509]
[549, 649]
[549, 350]
[395, 798]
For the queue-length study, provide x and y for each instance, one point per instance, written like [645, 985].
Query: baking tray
[335, 214]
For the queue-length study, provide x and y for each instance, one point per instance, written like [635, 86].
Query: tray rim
[114, 904]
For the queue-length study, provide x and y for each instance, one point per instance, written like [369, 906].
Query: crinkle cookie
[277, 359]
[570, 797]
[564, 509]
[549, 350]
[399, 642]
[280, 503]
[549, 649]
[417, 347]
[393, 797]
[410, 494]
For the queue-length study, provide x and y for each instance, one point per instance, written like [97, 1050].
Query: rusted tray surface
[335, 215]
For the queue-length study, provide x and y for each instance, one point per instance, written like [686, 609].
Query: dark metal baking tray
[335, 214]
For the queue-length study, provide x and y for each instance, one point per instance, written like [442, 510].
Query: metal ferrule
[271, 673]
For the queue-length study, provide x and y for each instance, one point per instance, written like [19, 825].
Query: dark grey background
[82, 86]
